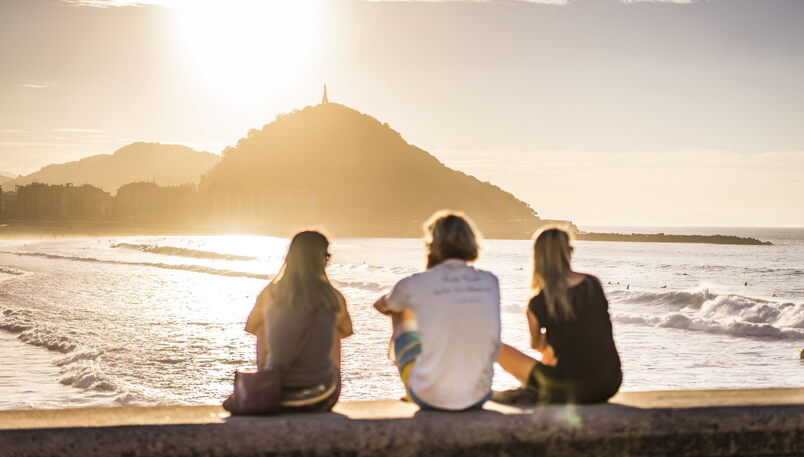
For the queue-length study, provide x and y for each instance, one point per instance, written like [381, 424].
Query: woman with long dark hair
[569, 324]
[301, 302]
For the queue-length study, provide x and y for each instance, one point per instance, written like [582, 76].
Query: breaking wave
[181, 252]
[673, 300]
[734, 315]
[357, 284]
[78, 366]
[11, 271]
[167, 266]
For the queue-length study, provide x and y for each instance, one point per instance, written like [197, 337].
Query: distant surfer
[663, 287]
[746, 284]
[628, 287]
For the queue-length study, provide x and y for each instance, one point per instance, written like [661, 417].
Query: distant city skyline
[604, 112]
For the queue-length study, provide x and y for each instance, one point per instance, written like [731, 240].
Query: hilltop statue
[324, 99]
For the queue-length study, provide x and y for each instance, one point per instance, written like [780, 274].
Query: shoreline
[12, 230]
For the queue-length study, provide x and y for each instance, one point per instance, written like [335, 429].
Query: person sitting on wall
[446, 320]
[569, 324]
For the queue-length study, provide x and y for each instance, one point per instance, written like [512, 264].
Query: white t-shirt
[457, 310]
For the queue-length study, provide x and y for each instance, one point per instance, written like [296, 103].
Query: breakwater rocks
[687, 423]
[663, 238]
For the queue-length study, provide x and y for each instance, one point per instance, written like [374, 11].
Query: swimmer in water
[628, 287]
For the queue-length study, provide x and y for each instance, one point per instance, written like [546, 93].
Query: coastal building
[148, 203]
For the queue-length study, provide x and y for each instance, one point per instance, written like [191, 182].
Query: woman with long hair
[299, 319]
[446, 320]
[569, 324]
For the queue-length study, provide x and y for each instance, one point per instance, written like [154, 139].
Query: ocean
[159, 320]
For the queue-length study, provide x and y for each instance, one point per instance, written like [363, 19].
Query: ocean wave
[364, 285]
[181, 252]
[11, 271]
[675, 300]
[166, 266]
[694, 323]
[78, 357]
[44, 337]
[16, 321]
[87, 375]
[353, 267]
[721, 308]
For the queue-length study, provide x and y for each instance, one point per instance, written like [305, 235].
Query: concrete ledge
[686, 423]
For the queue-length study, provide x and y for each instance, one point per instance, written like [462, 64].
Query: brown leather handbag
[260, 392]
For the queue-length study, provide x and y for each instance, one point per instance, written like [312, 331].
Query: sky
[603, 112]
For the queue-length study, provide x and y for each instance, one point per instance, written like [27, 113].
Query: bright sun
[247, 48]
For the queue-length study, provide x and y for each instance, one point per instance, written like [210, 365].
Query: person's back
[583, 346]
[299, 319]
[458, 317]
[446, 321]
[285, 329]
[569, 324]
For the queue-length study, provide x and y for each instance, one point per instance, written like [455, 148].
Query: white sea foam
[672, 300]
[722, 314]
[181, 252]
[86, 374]
[166, 266]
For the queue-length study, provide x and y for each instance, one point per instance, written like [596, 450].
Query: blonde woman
[299, 298]
[446, 320]
[569, 323]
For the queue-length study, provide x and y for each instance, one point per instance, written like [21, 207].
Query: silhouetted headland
[326, 166]
[663, 238]
[335, 167]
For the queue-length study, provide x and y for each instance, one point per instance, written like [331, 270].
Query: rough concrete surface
[766, 422]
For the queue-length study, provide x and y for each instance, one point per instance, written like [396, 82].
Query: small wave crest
[85, 374]
[364, 285]
[166, 266]
[11, 271]
[675, 300]
[181, 252]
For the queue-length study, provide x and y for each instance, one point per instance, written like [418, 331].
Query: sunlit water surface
[159, 320]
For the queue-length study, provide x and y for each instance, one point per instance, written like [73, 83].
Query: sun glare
[247, 48]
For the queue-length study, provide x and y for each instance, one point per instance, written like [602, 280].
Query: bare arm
[382, 307]
[343, 322]
[256, 319]
[538, 340]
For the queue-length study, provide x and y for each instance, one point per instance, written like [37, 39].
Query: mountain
[357, 176]
[5, 177]
[166, 164]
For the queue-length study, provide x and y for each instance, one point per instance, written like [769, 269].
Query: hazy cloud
[105, 3]
[71, 130]
[27, 144]
[37, 86]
